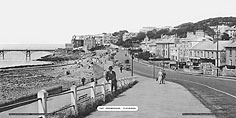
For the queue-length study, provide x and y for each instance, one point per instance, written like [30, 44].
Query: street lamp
[153, 61]
[132, 56]
[217, 50]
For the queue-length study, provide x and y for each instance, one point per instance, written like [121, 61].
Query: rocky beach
[25, 81]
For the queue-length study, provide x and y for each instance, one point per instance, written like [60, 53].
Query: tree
[144, 55]
[140, 36]
[151, 34]
[225, 36]
[120, 36]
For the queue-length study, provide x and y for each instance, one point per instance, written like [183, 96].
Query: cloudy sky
[55, 21]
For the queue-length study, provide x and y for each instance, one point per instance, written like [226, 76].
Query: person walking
[121, 68]
[83, 81]
[160, 76]
[111, 75]
[163, 76]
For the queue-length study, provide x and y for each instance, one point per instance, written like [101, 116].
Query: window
[235, 52]
[230, 62]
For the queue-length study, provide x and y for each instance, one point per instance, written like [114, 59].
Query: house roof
[165, 40]
[209, 45]
[230, 28]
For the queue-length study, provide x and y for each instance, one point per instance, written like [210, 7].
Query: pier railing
[78, 94]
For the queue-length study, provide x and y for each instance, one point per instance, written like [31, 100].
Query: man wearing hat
[111, 75]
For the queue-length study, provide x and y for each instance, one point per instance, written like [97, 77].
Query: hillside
[204, 25]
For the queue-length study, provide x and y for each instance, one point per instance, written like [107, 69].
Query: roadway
[227, 86]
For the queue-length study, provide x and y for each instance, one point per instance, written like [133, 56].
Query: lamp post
[217, 50]
[152, 59]
[163, 56]
[132, 62]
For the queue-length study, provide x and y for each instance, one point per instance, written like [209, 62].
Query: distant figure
[159, 76]
[92, 79]
[83, 81]
[96, 81]
[163, 76]
[121, 68]
[111, 75]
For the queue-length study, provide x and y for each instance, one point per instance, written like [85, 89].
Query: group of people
[161, 76]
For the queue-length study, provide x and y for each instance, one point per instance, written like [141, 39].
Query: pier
[27, 52]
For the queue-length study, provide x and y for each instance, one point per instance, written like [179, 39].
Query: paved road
[154, 100]
[226, 85]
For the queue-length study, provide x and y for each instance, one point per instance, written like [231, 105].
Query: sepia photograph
[117, 59]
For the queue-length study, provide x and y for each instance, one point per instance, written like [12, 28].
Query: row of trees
[129, 42]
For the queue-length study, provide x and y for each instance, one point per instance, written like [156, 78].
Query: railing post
[119, 83]
[93, 92]
[122, 82]
[74, 100]
[104, 91]
[129, 81]
[42, 104]
[133, 79]
[109, 87]
[125, 82]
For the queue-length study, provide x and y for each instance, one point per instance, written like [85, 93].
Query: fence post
[42, 104]
[124, 82]
[109, 87]
[119, 84]
[104, 91]
[134, 79]
[92, 92]
[74, 100]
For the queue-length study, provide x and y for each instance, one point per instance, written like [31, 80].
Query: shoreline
[25, 81]
[19, 83]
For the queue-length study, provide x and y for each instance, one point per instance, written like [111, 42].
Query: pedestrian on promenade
[92, 79]
[111, 75]
[121, 68]
[83, 81]
[160, 76]
[163, 76]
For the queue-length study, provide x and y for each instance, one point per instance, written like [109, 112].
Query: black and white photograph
[117, 59]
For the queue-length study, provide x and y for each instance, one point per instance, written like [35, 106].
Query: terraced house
[231, 53]
[190, 41]
[205, 52]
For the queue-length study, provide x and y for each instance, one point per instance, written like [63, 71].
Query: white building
[187, 43]
[129, 35]
[146, 29]
[83, 42]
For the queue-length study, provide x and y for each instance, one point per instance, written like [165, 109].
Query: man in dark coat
[111, 75]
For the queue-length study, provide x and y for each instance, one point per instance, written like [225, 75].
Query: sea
[17, 58]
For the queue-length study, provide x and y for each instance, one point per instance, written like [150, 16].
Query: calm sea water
[18, 58]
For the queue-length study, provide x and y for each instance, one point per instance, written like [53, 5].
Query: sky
[56, 21]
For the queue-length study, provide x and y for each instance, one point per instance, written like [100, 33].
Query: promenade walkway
[168, 100]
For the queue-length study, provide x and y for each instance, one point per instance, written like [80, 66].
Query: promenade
[155, 100]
